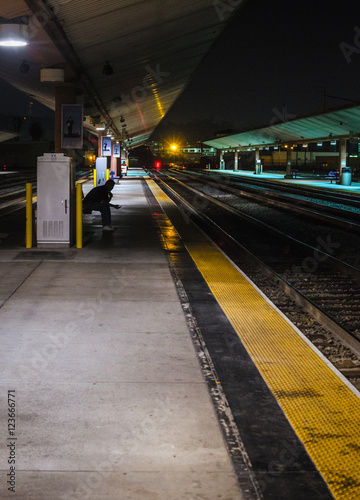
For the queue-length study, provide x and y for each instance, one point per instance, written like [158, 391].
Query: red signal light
[157, 164]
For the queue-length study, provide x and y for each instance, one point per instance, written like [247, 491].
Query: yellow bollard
[95, 182]
[29, 216]
[78, 215]
[107, 174]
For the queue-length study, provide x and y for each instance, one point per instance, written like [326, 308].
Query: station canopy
[339, 123]
[129, 59]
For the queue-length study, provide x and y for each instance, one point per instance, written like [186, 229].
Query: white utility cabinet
[55, 195]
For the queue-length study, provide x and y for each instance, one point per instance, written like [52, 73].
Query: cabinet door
[53, 202]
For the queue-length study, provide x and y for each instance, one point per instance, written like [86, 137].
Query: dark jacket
[97, 195]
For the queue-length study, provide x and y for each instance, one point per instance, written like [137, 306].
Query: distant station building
[187, 154]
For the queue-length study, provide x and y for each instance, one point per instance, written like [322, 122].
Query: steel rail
[309, 209]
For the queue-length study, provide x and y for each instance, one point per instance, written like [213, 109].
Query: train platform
[147, 366]
[110, 401]
[309, 180]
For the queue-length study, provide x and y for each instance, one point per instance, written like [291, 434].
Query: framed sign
[116, 151]
[72, 126]
[105, 146]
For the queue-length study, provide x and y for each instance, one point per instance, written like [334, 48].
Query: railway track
[13, 190]
[272, 186]
[307, 282]
[13, 201]
[341, 209]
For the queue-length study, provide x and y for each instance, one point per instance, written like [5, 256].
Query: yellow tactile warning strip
[322, 409]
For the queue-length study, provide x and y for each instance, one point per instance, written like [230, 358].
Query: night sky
[277, 54]
[272, 55]
[14, 102]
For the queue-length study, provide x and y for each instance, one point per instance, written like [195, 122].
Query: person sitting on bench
[98, 199]
[333, 176]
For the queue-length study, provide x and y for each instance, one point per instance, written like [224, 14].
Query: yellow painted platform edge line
[301, 335]
[299, 332]
[343, 379]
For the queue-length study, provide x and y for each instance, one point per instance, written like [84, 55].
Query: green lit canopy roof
[341, 123]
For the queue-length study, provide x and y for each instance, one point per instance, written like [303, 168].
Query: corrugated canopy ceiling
[336, 124]
[152, 46]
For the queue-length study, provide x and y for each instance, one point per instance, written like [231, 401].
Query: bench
[333, 176]
[292, 175]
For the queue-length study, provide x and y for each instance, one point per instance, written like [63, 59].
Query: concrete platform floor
[110, 398]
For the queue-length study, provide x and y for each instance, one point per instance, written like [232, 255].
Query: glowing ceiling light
[14, 32]
[12, 43]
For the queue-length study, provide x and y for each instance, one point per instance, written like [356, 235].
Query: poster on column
[116, 151]
[71, 126]
[106, 146]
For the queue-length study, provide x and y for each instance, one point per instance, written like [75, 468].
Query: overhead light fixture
[14, 32]
[24, 67]
[107, 69]
[100, 126]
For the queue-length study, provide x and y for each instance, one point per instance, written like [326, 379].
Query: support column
[236, 161]
[342, 153]
[65, 93]
[100, 144]
[288, 174]
[258, 168]
[345, 172]
[222, 161]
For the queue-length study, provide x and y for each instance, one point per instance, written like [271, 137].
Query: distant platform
[317, 181]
